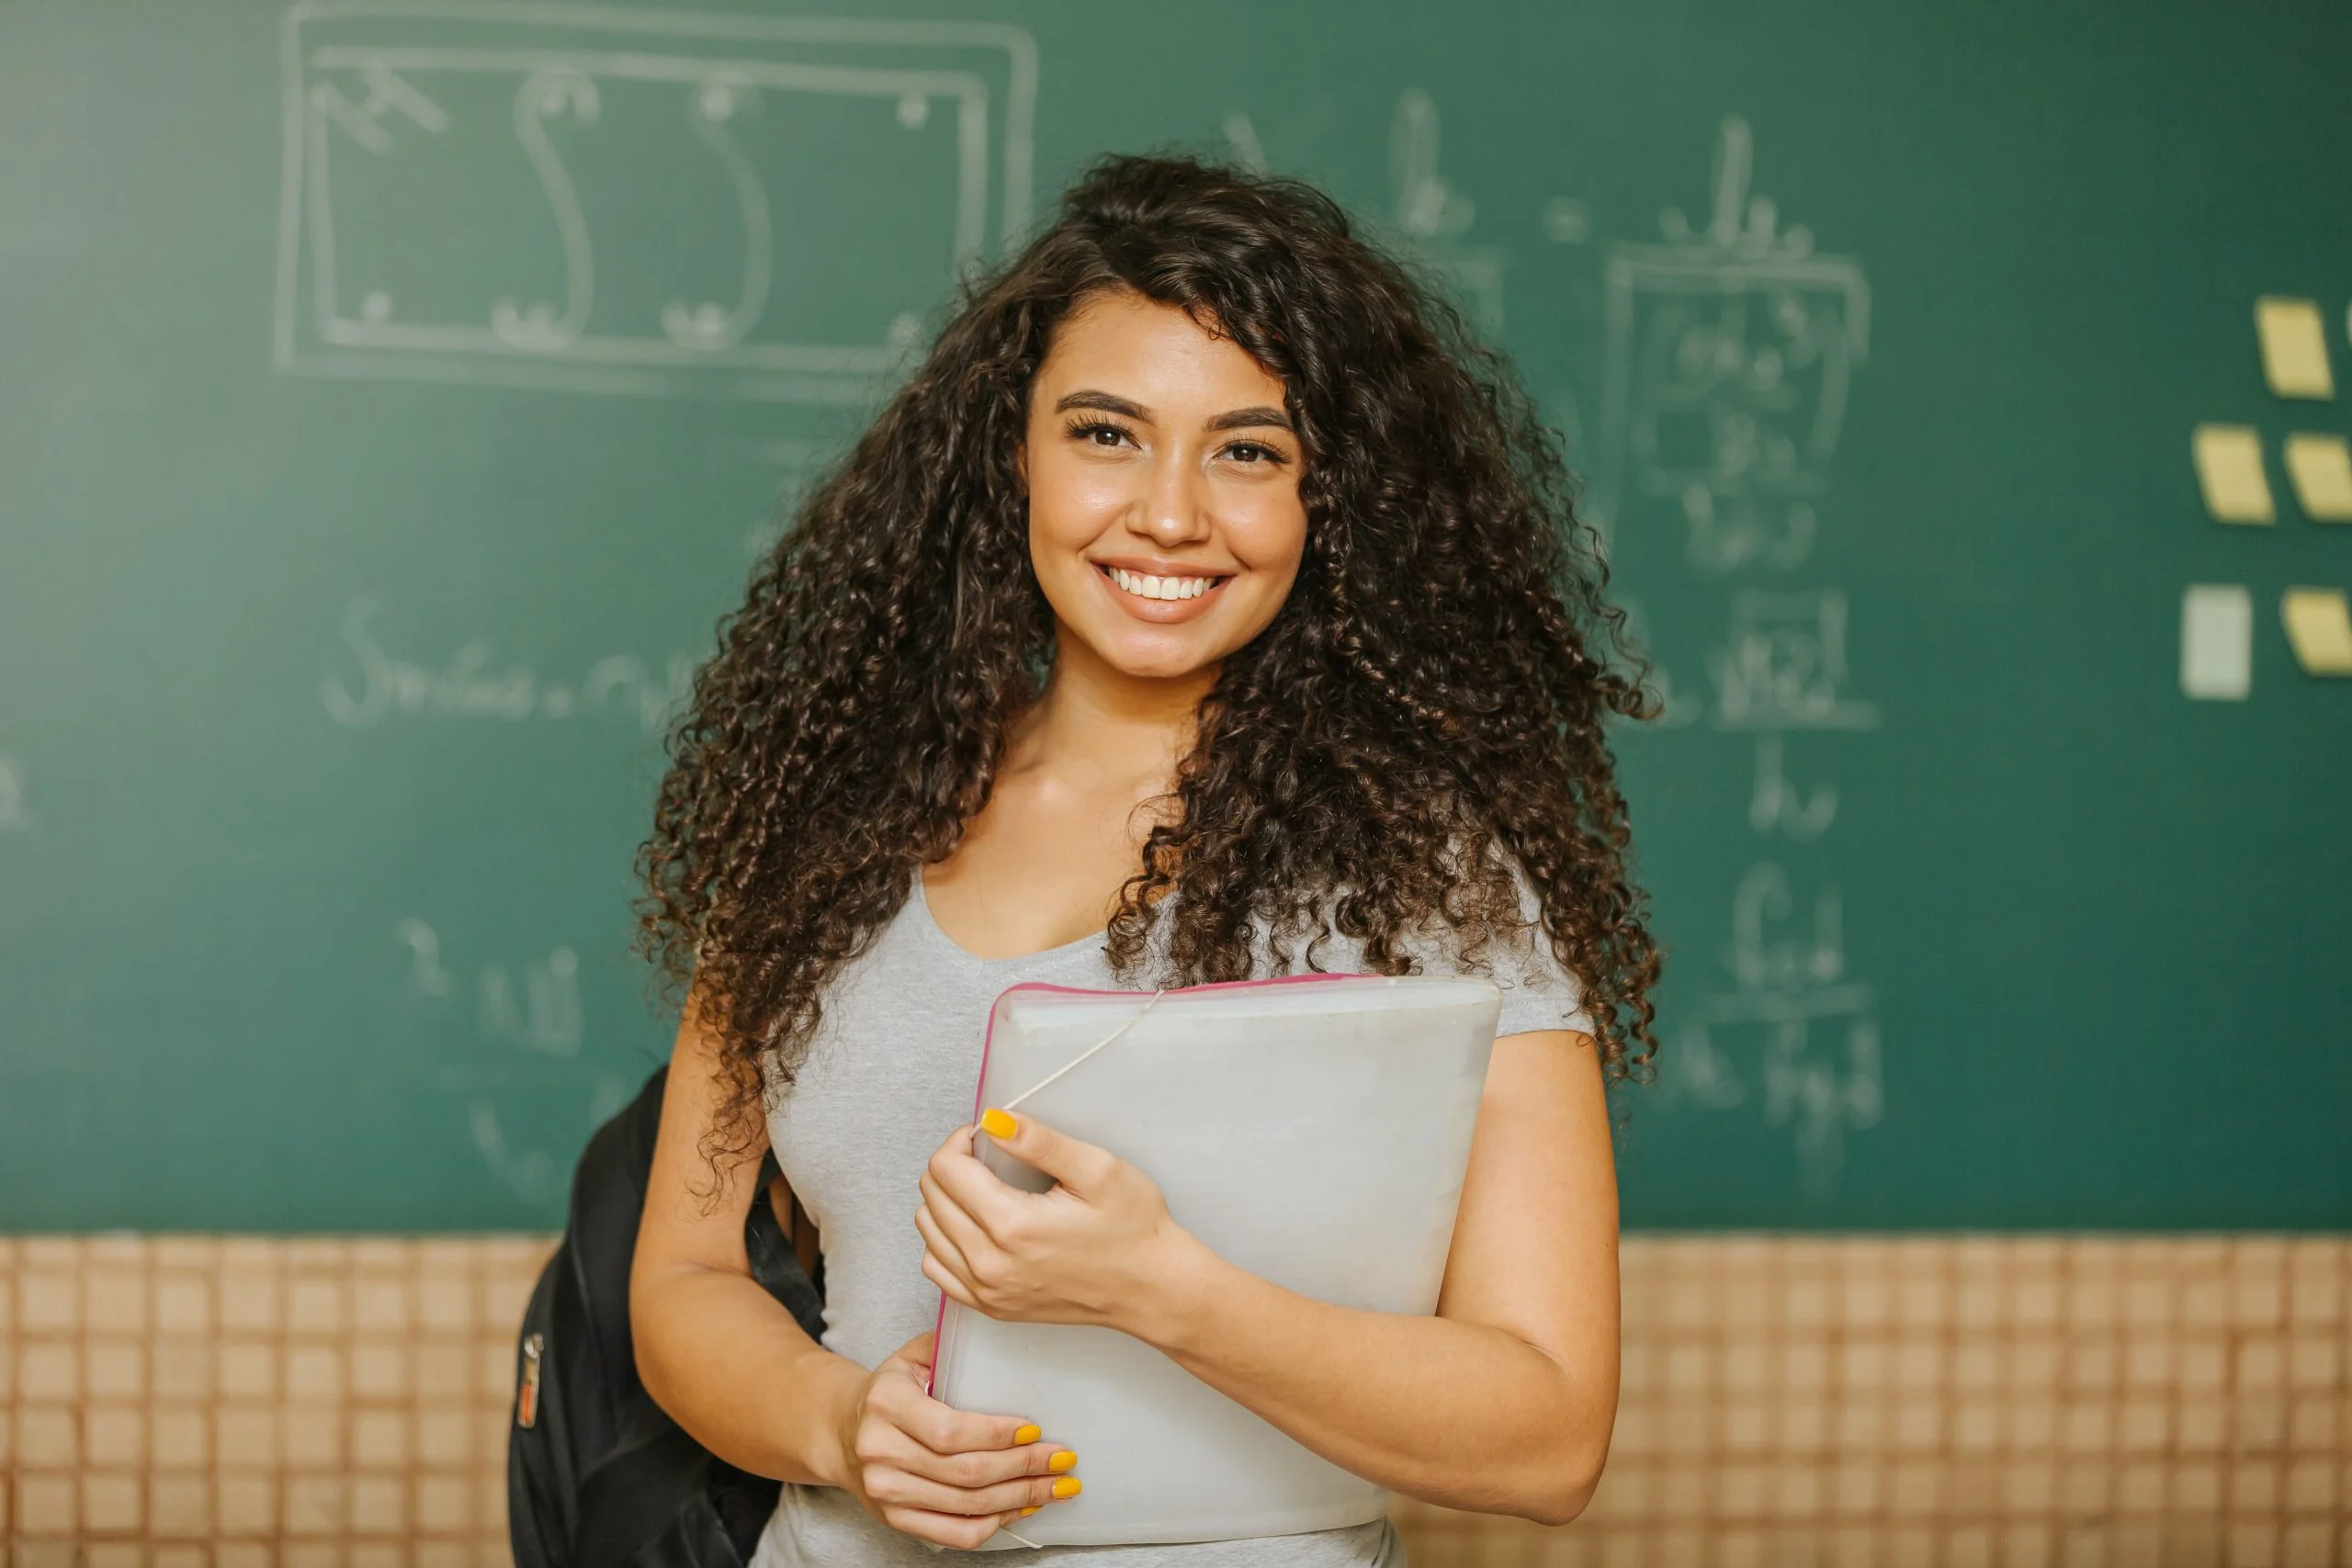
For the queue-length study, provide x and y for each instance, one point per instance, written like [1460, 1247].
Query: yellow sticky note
[2294, 347]
[2319, 625]
[2321, 468]
[2229, 470]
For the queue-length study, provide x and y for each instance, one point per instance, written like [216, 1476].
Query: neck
[1097, 720]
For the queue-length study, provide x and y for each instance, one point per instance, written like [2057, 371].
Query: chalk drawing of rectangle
[570, 272]
[2216, 642]
[1764, 314]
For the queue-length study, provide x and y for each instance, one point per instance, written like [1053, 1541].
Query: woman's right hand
[941, 1474]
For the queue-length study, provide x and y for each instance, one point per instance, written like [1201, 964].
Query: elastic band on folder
[1074, 1061]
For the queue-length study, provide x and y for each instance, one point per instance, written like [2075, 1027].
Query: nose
[1175, 507]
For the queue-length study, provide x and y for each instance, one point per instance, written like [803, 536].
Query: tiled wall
[2015, 1403]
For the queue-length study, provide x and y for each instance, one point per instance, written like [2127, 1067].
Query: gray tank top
[890, 1071]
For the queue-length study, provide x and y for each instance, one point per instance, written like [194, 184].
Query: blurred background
[393, 396]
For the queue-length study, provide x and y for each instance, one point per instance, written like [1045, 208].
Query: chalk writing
[474, 683]
[396, 116]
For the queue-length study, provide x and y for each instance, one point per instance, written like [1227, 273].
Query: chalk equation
[534, 1004]
[520, 1025]
[1727, 357]
[377, 686]
[1434, 214]
[634, 201]
[1783, 664]
[1794, 1037]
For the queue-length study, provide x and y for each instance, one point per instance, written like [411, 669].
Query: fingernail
[998, 1123]
[1066, 1460]
[1026, 1433]
[1029, 1509]
[1065, 1487]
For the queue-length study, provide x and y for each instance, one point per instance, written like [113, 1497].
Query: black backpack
[598, 1476]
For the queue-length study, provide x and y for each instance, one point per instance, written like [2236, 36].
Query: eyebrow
[1237, 419]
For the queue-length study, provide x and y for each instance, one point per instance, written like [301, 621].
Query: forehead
[1156, 353]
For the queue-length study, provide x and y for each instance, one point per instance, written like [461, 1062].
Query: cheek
[1069, 499]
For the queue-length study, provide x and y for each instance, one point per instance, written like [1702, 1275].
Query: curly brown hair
[1426, 708]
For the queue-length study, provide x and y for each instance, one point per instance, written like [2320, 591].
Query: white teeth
[1147, 587]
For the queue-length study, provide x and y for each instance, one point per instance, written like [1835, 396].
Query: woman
[1204, 606]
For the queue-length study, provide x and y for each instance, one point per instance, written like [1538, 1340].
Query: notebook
[1311, 1128]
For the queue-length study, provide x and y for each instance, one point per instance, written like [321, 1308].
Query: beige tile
[114, 1369]
[200, 1252]
[315, 1554]
[2140, 1488]
[445, 1503]
[114, 1554]
[2313, 1424]
[444, 1435]
[113, 1503]
[383, 1554]
[1804, 1426]
[48, 1302]
[182, 1303]
[2252, 1543]
[184, 1555]
[2029, 1486]
[2311, 1486]
[317, 1505]
[1915, 1490]
[382, 1306]
[317, 1304]
[114, 1301]
[247, 1436]
[181, 1369]
[2258, 1423]
[315, 1373]
[180, 1507]
[2253, 1486]
[378, 1505]
[48, 1504]
[245, 1503]
[2086, 1486]
[1976, 1427]
[114, 1437]
[2314, 1363]
[180, 1438]
[49, 1370]
[382, 1439]
[312, 1435]
[2308, 1543]
[246, 1370]
[245, 1554]
[446, 1302]
[380, 1371]
[47, 1436]
[251, 1301]
[444, 1372]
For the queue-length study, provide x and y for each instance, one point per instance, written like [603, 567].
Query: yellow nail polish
[1029, 1510]
[1067, 1486]
[998, 1123]
[1026, 1433]
[1066, 1460]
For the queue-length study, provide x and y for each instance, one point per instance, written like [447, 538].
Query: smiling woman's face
[1164, 517]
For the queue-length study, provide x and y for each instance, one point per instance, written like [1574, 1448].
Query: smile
[1167, 588]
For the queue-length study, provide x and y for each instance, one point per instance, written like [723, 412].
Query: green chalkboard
[393, 396]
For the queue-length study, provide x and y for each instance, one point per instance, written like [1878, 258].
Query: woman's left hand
[1095, 1248]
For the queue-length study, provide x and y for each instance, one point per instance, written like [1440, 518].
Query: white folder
[1311, 1128]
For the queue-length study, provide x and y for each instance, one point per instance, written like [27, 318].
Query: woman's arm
[726, 1361]
[1502, 1402]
